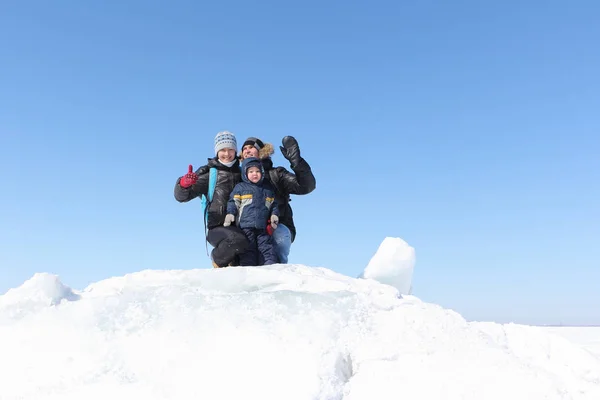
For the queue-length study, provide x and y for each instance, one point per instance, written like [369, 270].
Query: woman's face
[249, 151]
[226, 155]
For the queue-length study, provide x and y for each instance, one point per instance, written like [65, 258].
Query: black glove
[290, 150]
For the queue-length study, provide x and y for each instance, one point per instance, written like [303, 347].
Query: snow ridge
[40, 291]
[279, 331]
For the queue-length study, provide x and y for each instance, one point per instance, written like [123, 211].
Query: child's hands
[188, 179]
[274, 221]
[229, 218]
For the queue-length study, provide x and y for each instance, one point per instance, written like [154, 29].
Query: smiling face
[249, 151]
[226, 155]
[254, 174]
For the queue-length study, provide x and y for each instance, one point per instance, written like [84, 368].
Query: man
[300, 182]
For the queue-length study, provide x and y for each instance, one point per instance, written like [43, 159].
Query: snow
[587, 337]
[393, 264]
[39, 292]
[272, 332]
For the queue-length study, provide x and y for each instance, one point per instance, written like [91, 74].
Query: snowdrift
[275, 332]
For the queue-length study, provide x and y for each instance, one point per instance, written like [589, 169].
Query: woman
[302, 181]
[228, 242]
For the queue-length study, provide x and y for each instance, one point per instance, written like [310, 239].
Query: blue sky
[469, 129]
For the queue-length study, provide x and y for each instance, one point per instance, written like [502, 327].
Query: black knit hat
[254, 142]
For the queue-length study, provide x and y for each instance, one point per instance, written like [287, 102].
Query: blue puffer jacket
[252, 203]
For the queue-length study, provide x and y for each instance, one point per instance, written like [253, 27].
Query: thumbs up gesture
[188, 179]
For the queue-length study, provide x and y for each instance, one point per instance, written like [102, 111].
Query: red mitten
[188, 179]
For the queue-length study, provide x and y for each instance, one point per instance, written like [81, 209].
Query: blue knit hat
[225, 140]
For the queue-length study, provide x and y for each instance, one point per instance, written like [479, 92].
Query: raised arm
[191, 185]
[302, 181]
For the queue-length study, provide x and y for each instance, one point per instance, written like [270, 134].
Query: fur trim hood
[266, 151]
[263, 153]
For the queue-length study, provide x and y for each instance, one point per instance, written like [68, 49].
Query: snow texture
[273, 332]
[588, 337]
[393, 264]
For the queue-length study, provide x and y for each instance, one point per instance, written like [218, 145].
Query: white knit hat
[225, 140]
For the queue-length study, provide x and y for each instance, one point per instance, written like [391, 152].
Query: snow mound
[281, 331]
[39, 291]
[588, 337]
[533, 346]
[392, 264]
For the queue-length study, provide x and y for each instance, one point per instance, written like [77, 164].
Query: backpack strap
[212, 183]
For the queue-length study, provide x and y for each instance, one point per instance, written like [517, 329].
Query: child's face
[254, 174]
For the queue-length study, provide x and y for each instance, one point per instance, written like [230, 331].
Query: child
[252, 201]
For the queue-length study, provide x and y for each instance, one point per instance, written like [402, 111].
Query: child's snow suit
[253, 204]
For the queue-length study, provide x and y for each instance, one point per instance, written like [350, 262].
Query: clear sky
[470, 129]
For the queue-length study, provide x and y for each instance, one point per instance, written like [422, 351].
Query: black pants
[261, 249]
[228, 242]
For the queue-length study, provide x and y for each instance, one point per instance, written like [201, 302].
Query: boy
[252, 201]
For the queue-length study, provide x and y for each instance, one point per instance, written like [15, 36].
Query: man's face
[249, 151]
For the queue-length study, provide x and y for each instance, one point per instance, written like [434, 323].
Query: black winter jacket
[302, 181]
[227, 178]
